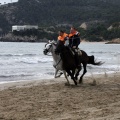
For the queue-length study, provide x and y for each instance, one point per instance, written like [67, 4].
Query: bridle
[51, 55]
[47, 50]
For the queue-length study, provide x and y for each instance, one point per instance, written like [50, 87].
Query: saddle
[76, 50]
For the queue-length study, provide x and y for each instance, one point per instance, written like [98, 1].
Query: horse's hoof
[80, 82]
[75, 82]
[67, 84]
[61, 73]
[76, 78]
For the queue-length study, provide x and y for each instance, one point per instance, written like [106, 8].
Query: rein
[57, 63]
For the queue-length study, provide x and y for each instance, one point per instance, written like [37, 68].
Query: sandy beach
[98, 98]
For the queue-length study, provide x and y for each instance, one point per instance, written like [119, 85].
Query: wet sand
[98, 98]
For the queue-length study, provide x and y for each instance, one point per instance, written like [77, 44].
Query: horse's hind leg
[84, 71]
[56, 71]
[77, 73]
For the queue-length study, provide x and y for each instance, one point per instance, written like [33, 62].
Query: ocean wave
[50, 73]
[24, 60]
[100, 52]
[17, 55]
[24, 78]
[108, 67]
[36, 60]
[104, 52]
[12, 76]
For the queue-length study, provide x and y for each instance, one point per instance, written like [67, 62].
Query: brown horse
[68, 59]
[69, 63]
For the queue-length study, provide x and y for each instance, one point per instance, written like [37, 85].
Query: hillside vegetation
[46, 13]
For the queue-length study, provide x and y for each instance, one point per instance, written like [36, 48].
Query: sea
[21, 61]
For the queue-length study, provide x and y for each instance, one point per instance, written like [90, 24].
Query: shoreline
[27, 83]
[98, 98]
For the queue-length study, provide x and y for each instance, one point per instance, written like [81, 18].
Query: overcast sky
[7, 1]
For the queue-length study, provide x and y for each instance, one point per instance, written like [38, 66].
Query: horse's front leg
[56, 72]
[68, 83]
[77, 72]
[72, 75]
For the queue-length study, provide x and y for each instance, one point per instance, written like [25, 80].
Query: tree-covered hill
[53, 12]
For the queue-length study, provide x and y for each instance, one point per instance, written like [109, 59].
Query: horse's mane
[53, 42]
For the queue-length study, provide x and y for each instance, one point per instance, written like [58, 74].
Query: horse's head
[49, 47]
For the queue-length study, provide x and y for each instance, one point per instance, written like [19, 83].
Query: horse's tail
[93, 62]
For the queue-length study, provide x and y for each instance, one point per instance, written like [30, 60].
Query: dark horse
[69, 63]
[60, 64]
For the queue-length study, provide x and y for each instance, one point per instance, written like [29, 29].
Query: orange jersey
[62, 38]
[72, 34]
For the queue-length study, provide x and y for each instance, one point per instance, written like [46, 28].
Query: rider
[74, 41]
[61, 41]
[74, 38]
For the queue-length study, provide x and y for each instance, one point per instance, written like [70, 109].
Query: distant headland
[114, 41]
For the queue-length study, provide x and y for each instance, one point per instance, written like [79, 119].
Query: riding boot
[77, 59]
